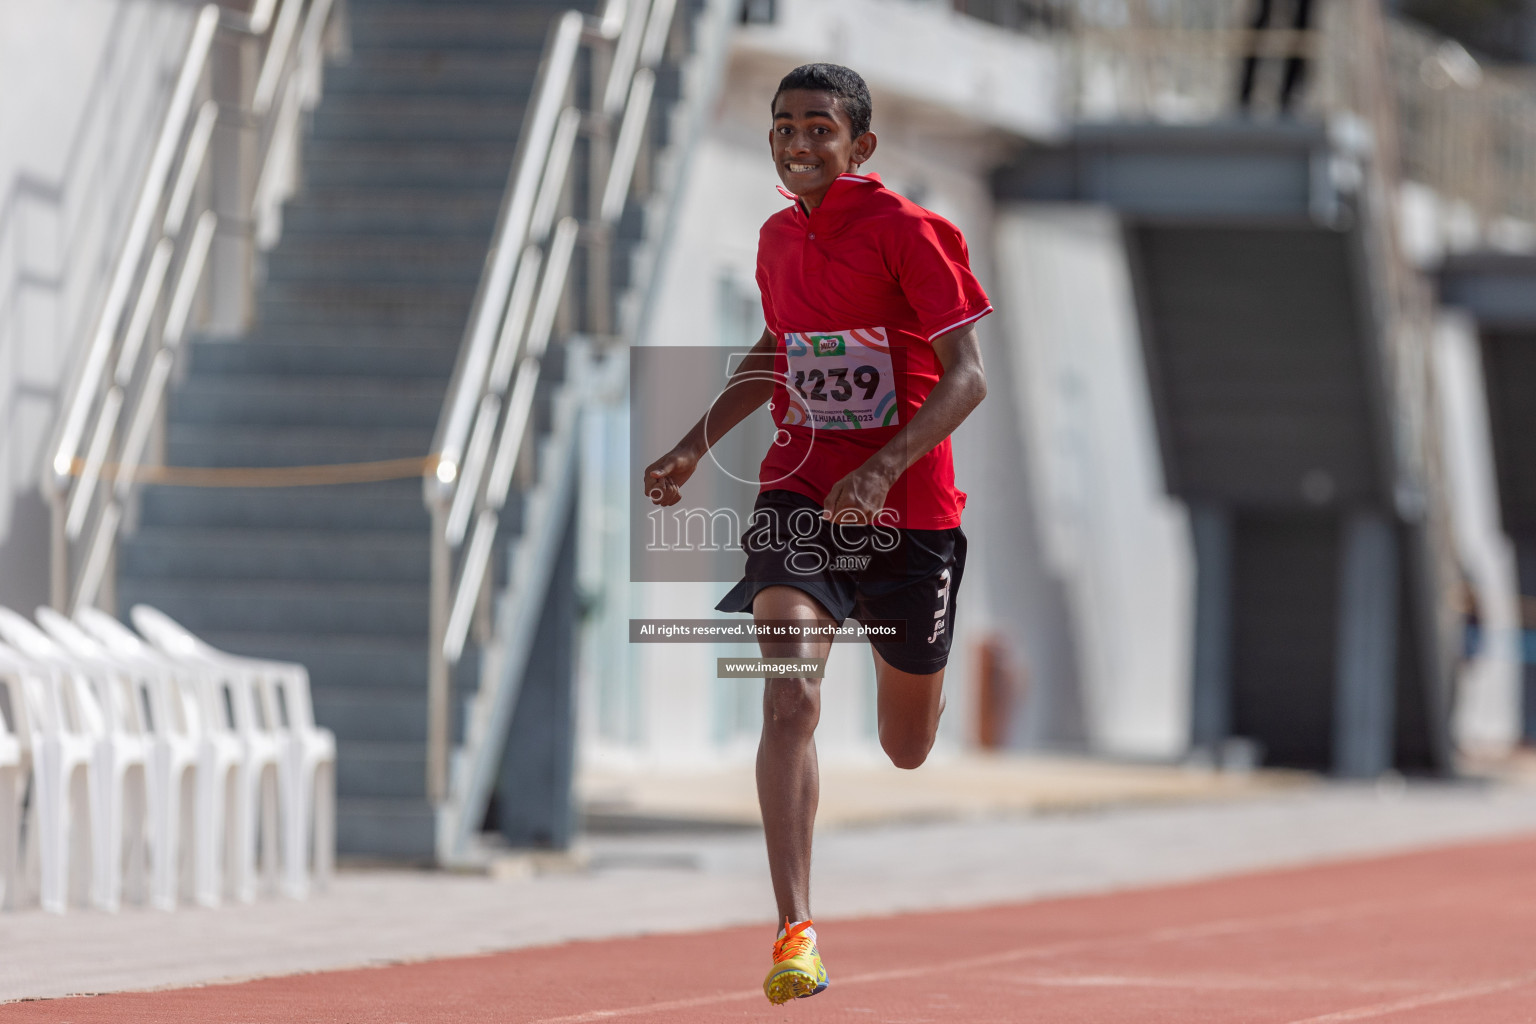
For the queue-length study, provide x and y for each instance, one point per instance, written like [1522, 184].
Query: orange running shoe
[797, 971]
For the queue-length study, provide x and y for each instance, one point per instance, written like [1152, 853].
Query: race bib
[844, 378]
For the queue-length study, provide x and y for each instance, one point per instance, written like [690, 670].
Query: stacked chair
[153, 766]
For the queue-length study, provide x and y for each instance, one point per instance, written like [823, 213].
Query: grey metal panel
[1497, 288]
[1429, 646]
[1253, 170]
[1366, 665]
[1284, 628]
[1509, 377]
[1246, 184]
[1254, 338]
[1211, 685]
[533, 804]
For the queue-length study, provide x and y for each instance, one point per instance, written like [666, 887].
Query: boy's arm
[748, 388]
[859, 495]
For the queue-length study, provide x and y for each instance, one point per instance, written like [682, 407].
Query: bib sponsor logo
[829, 344]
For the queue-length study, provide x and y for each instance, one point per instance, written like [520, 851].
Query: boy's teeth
[802, 167]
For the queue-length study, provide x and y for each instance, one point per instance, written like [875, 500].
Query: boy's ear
[864, 147]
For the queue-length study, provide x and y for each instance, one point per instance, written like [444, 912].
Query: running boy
[869, 361]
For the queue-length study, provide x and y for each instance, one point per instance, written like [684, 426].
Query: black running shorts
[863, 572]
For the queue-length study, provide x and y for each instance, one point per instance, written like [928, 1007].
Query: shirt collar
[836, 195]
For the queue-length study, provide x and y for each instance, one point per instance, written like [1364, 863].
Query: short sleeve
[769, 319]
[933, 269]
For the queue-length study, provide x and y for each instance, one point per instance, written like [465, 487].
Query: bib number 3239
[844, 378]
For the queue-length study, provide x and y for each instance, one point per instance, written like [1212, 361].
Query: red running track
[1446, 936]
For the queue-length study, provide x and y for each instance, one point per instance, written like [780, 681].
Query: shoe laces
[794, 943]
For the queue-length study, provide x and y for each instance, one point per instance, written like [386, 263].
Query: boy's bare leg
[788, 786]
[909, 707]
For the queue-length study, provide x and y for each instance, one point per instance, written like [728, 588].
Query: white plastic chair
[65, 725]
[16, 742]
[172, 747]
[257, 801]
[309, 777]
[218, 748]
[108, 711]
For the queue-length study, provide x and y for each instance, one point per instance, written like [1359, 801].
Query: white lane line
[1226, 926]
[1213, 982]
[1449, 995]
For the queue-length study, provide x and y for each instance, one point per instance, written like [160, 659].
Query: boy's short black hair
[844, 83]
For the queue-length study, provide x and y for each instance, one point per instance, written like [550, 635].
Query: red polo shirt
[856, 293]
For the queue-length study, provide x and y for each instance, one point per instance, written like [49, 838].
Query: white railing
[112, 411]
[483, 432]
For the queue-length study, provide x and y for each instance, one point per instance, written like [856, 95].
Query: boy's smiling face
[812, 140]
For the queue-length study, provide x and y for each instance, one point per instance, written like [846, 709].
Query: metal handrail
[114, 398]
[483, 429]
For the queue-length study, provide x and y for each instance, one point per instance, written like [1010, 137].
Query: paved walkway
[682, 883]
[944, 789]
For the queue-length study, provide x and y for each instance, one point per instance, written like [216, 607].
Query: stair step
[281, 319]
[374, 770]
[395, 556]
[324, 351]
[435, 71]
[376, 259]
[394, 829]
[428, 213]
[371, 663]
[359, 8]
[376, 118]
[318, 401]
[438, 297]
[460, 26]
[214, 445]
[398, 610]
[357, 714]
[372, 165]
[391, 505]
[340, 304]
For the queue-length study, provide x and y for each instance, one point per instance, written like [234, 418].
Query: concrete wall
[1487, 713]
[1112, 534]
[83, 84]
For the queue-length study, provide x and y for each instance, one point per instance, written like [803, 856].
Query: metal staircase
[349, 360]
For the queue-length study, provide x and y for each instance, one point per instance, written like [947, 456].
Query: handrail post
[439, 688]
[58, 554]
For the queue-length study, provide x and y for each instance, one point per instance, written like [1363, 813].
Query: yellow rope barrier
[275, 476]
